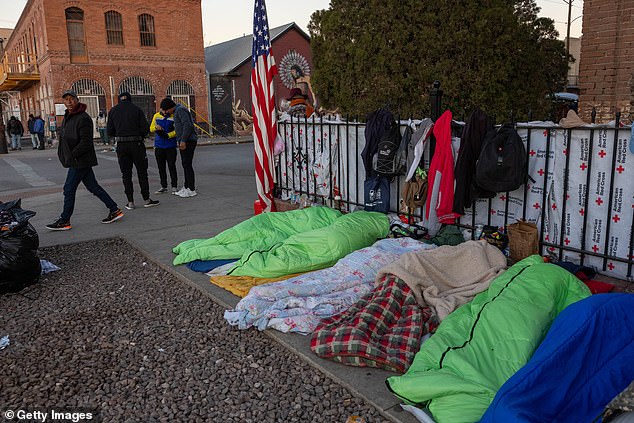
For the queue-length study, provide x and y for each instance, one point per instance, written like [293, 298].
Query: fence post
[435, 98]
[593, 115]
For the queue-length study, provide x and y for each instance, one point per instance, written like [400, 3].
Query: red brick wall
[606, 66]
[179, 51]
[281, 45]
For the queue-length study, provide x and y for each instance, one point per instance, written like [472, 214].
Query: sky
[222, 23]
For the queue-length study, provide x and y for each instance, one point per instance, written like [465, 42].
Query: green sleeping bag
[478, 347]
[317, 249]
[257, 233]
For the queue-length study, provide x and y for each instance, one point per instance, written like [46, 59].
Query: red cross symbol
[541, 172]
[492, 212]
[536, 206]
[551, 249]
[554, 206]
[582, 212]
[616, 218]
[503, 198]
[532, 153]
[595, 248]
[567, 196]
[565, 151]
[583, 166]
[602, 153]
[567, 241]
[599, 201]
[611, 266]
[545, 133]
[547, 238]
[620, 169]
[300, 132]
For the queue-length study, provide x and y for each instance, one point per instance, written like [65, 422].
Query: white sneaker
[184, 193]
[179, 192]
[192, 193]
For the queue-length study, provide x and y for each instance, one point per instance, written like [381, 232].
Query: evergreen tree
[494, 54]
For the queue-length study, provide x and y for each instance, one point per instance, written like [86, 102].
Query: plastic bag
[19, 261]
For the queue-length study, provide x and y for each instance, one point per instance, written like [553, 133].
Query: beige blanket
[447, 277]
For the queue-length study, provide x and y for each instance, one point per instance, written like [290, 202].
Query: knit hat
[125, 96]
[167, 103]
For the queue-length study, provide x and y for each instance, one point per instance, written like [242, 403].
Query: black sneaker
[59, 225]
[112, 216]
[151, 203]
[161, 191]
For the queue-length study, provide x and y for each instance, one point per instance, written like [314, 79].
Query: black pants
[133, 154]
[42, 141]
[166, 156]
[187, 157]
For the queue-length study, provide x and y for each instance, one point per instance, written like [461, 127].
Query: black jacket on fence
[76, 147]
[473, 134]
[376, 125]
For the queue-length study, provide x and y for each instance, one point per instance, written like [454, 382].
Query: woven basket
[523, 240]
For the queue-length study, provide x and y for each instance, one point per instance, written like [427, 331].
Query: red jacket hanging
[441, 168]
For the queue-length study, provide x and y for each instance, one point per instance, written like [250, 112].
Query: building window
[76, 36]
[114, 28]
[146, 29]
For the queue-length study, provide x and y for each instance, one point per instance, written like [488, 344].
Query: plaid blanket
[383, 330]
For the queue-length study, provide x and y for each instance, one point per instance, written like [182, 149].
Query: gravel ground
[122, 337]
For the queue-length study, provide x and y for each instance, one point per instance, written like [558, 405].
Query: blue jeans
[87, 176]
[15, 141]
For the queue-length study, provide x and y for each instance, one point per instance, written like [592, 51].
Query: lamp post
[568, 27]
[3, 137]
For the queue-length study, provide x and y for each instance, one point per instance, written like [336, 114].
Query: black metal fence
[582, 196]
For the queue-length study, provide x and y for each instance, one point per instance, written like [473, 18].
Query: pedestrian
[52, 127]
[38, 128]
[30, 126]
[186, 140]
[101, 127]
[15, 130]
[128, 126]
[76, 151]
[165, 147]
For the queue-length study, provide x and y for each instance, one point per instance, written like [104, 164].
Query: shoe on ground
[130, 206]
[179, 192]
[174, 190]
[161, 191]
[151, 203]
[113, 216]
[59, 225]
[186, 193]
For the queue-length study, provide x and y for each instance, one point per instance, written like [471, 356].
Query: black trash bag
[19, 260]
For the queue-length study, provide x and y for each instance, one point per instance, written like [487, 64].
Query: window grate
[146, 30]
[135, 85]
[180, 87]
[114, 28]
[87, 87]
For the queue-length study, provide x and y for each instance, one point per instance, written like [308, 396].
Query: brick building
[101, 48]
[229, 67]
[606, 68]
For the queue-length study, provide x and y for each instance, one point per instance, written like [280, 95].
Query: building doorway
[142, 94]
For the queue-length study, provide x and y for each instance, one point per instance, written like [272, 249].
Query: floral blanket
[298, 304]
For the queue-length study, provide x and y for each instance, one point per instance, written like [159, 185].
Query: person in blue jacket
[165, 147]
[38, 130]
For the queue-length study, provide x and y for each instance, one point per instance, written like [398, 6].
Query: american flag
[263, 100]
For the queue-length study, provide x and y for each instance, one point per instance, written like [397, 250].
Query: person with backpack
[15, 130]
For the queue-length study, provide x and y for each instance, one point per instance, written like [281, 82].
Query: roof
[225, 58]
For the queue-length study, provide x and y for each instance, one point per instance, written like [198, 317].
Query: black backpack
[502, 164]
[391, 155]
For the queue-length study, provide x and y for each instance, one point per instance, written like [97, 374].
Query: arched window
[135, 85]
[114, 28]
[181, 92]
[87, 87]
[146, 30]
[76, 35]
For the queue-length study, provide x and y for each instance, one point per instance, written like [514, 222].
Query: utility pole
[568, 27]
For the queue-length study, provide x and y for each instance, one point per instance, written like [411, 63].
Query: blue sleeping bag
[582, 364]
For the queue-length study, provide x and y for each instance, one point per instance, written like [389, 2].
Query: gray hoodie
[184, 124]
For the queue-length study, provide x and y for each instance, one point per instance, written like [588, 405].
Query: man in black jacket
[76, 151]
[128, 126]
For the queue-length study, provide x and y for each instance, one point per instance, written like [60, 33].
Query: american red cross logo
[611, 266]
[595, 248]
[541, 172]
[602, 153]
[551, 249]
[565, 151]
[599, 201]
[583, 166]
[567, 241]
[620, 169]
[554, 206]
[532, 153]
[503, 198]
[547, 237]
[582, 212]
[546, 133]
[536, 206]
[492, 212]
[616, 218]
[567, 196]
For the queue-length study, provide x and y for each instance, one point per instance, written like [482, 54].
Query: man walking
[186, 139]
[76, 151]
[15, 130]
[128, 126]
[102, 128]
[38, 129]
